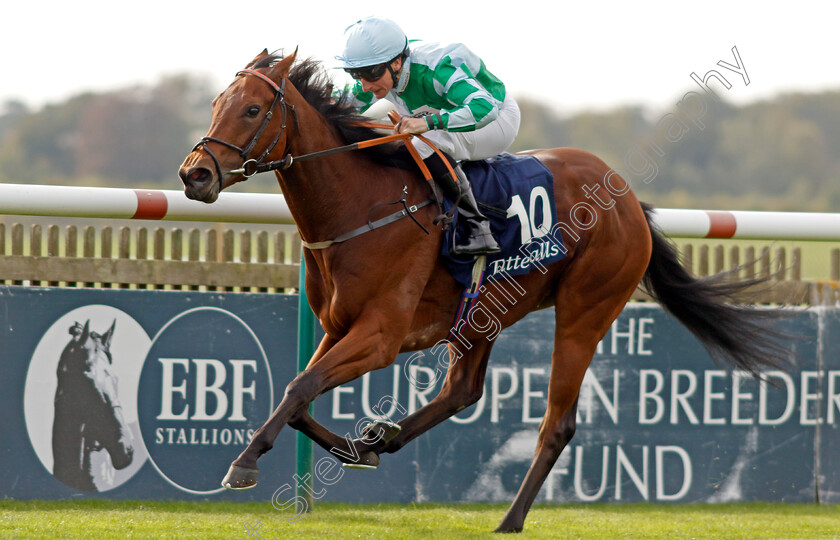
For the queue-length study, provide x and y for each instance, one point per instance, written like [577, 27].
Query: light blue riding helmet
[371, 41]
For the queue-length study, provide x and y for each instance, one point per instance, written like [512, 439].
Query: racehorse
[88, 416]
[386, 291]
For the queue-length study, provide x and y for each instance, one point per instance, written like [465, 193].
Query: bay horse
[88, 415]
[387, 292]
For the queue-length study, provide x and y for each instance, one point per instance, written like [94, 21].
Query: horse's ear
[83, 337]
[257, 58]
[281, 69]
[106, 337]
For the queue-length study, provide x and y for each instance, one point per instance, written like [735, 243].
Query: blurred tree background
[779, 154]
[135, 137]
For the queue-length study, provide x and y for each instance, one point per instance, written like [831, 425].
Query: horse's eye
[253, 111]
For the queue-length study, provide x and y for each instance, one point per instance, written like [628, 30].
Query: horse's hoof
[510, 525]
[367, 460]
[383, 429]
[240, 478]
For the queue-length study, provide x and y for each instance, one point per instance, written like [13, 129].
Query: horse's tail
[739, 335]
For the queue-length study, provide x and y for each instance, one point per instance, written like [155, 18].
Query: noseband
[250, 165]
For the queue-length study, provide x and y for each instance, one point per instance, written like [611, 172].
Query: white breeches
[485, 142]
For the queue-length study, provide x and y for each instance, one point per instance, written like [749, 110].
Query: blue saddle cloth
[516, 193]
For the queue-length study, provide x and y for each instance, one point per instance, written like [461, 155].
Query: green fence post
[305, 350]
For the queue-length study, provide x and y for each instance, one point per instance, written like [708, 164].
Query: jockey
[444, 89]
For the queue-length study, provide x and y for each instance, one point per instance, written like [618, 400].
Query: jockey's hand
[407, 124]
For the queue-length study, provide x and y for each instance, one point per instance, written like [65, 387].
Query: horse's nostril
[199, 175]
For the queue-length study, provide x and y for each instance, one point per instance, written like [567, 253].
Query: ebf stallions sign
[151, 394]
[137, 394]
[200, 395]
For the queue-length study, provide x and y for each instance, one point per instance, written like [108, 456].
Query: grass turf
[144, 519]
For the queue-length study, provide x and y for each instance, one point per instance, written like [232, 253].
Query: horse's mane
[310, 79]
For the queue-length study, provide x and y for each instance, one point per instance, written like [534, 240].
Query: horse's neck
[328, 196]
[74, 363]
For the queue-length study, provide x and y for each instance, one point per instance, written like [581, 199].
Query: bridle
[250, 165]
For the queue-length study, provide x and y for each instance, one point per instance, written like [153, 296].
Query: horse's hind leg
[568, 367]
[585, 310]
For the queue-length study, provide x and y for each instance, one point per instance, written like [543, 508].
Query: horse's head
[87, 394]
[87, 351]
[249, 125]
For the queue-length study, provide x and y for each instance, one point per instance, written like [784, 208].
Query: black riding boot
[480, 240]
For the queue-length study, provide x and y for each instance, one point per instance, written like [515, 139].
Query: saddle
[516, 193]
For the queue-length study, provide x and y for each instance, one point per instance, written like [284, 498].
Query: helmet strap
[394, 74]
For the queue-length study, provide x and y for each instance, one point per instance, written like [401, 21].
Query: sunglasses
[368, 73]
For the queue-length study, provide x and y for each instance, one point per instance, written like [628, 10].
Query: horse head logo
[88, 415]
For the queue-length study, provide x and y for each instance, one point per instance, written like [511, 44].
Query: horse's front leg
[462, 387]
[326, 439]
[357, 453]
[363, 349]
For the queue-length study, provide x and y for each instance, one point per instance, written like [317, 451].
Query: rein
[252, 167]
[288, 160]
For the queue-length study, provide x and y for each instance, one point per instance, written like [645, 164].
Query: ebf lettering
[209, 378]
